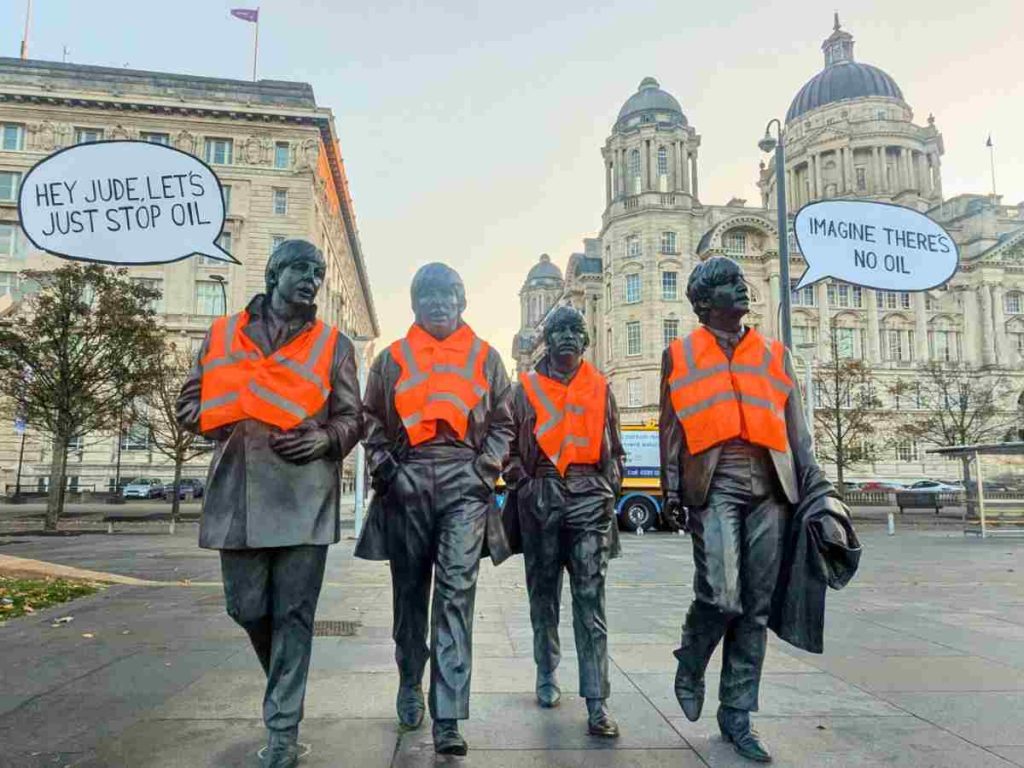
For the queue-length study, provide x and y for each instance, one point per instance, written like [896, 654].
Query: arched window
[634, 170]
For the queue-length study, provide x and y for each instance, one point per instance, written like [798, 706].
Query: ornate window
[633, 288]
[849, 343]
[633, 248]
[669, 285]
[805, 297]
[897, 344]
[634, 170]
[669, 331]
[209, 298]
[668, 242]
[635, 392]
[280, 202]
[662, 161]
[735, 243]
[282, 154]
[906, 450]
[892, 299]
[88, 135]
[156, 138]
[632, 338]
[12, 137]
[845, 295]
[862, 178]
[804, 335]
[944, 345]
[1013, 303]
[219, 151]
[12, 242]
[10, 182]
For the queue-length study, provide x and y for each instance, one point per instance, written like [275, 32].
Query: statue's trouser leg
[543, 562]
[460, 503]
[746, 636]
[411, 534]
[291, 578]
[246, 576]
[586, 537]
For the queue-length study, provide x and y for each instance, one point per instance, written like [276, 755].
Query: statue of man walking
[276, 389]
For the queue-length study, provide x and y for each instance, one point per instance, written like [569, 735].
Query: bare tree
[156, 413]
[846, 410]
[72, 353]
[958, 405]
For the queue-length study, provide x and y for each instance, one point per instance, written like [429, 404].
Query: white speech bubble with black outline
[124, 203]
[875, 245]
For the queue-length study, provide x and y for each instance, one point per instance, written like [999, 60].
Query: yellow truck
[639, 506]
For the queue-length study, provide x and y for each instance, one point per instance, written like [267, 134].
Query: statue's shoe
[689, 692]
[447, 739]
[600, 721]
[735, 727]
[282, 749]
[549, 694]
[409, 706]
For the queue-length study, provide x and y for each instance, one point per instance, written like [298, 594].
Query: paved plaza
[924, 666]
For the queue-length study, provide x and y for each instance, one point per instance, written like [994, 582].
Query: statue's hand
[674, 515]
[301, 446]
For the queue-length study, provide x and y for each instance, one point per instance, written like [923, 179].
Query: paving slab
[555, 758]
[982, 718]
[845, 742]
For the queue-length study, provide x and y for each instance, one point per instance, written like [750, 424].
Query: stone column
[645, 165]
[677, 172]
[971, 342]
[693, 173]
[999, 320]
[608, 174]
[988, 332]
[878, 182]
[824, 331]
[851, 174]
[816, 191]
[920, 328]
[908, 169]
[874, 350]
[685, 165]
[922, 175]
[790, 193]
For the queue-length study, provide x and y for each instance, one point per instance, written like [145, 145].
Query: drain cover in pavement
[335, 628]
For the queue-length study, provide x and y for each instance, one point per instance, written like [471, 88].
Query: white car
[936, 486]
[143, 488]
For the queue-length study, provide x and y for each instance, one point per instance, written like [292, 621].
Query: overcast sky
[472, 132]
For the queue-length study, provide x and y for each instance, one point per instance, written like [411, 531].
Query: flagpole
[28, 24]
[992, 162]
[256, 44]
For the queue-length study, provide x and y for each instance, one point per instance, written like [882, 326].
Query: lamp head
[767, 144]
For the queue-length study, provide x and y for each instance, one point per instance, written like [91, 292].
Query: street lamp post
[767, 144]
[219, 280]
[362, 345]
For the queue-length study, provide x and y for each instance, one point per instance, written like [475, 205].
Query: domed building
[849, 133]
[541, 290]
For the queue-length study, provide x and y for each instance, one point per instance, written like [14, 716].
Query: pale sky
[472, 132]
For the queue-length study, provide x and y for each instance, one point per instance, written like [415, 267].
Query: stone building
[277, 155]
[849, 133]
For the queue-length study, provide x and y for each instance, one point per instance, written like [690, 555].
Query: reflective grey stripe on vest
[216, 402]
[694, 375]
[449, 397]
[554, 415]
[305, 370]
[226, 356]
[417, 376]
[580, 442]
[724, 397]
[412, 421]
[276, 400]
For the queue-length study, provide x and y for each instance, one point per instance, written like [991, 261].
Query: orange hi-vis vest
[570, 417]
[283, 389]
[717, 399]
[442, 380]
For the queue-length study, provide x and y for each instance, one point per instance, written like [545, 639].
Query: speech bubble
[876, 245]
[123, 202]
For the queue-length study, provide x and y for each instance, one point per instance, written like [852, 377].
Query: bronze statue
[277, 390]
[738, 472]
[564, 474]
[438, 428]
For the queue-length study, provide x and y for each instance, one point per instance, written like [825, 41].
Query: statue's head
[718, 292]
[295, 272]
[566, 337]
[438, 299]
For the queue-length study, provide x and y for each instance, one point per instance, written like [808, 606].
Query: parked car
[882, 486]
[143, 488]
[936, 485]
[193, 484]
